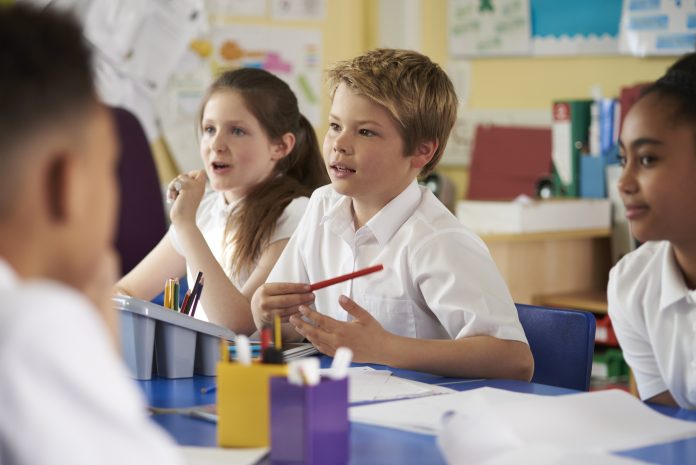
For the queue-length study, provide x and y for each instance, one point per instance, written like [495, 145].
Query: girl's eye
[334, 126]
[622, 160]
[209, 130]
[647, 160]
[238, 131]
[367, 133]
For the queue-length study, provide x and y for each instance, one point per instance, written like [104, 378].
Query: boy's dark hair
[678, 86]
[45, 72]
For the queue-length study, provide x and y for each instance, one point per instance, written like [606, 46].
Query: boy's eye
[367, 133]
[622, 160]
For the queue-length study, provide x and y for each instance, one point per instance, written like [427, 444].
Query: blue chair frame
[562, 343]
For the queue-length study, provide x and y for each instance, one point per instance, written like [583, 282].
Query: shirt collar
[385, 223]
[394, 214]
[339, 216]
[220, 210]
[673, 285]
[8, 277]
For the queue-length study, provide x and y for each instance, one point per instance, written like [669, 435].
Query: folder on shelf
[570, 134]
[508, 161]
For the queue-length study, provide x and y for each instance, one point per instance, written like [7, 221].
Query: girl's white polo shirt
[654, 316]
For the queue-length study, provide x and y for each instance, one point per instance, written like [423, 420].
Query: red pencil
[345, 277]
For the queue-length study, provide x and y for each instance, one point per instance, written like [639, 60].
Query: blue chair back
[562, 343]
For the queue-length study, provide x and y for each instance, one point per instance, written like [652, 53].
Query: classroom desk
[376, 445]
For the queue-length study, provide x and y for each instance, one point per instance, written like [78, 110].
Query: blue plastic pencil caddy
[178, 344]
[309, 424]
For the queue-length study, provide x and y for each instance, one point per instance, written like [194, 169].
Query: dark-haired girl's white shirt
[211, 219]
[654, 316]
[66, 396]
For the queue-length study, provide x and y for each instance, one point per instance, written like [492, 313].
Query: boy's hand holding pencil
[284, 299]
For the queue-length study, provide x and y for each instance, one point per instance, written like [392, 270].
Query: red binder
[508, 161]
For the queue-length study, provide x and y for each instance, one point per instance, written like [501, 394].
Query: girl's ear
[283, 147]
[424, 153]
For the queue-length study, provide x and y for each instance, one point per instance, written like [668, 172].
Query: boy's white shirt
[654, 316]
[65, 396]
[211, 219]
[439, 280]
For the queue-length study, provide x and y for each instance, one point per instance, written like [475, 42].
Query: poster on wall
[488, 27]
[575, 27]
[654, 27]
[221, 9]
[292, 54]
[298, 10]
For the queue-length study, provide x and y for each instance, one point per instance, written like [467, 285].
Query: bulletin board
[481, 28]
[574, 27]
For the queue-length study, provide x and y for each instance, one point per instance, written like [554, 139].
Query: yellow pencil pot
[243, 403]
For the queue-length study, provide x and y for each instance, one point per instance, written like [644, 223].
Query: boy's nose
[341, 144]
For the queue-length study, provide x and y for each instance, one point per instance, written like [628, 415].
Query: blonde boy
[65, 396]
[440, 304]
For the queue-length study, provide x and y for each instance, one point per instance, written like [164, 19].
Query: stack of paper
[220, 456]
[297, 350]
[367, 384]
[479, 425]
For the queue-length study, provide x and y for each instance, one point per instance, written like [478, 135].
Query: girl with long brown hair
[262, 161]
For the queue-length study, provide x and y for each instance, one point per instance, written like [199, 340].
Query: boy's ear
[283, 147]
[62, 192]
[424, 153]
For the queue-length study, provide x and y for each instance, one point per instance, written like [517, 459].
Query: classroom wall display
[572, 27]
[237, 8]
[298, 10]
[292, 54]
[480, 28]
[137, 48]
[488, 27]
[654, 27]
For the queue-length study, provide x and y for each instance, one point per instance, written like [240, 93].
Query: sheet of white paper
[220, 456]
[366, 384]
[492, 419]
[608, 420]
[549, 455]
[424, 414]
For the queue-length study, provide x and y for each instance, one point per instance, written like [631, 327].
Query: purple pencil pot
[309, 424]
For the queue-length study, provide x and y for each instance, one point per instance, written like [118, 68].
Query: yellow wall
[531, 82]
